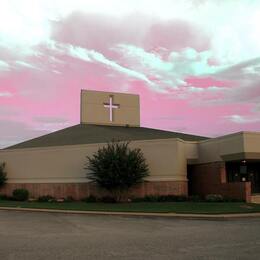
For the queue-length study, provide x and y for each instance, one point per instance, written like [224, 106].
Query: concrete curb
[141, 214]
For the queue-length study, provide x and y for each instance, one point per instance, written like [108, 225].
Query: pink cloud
[100, 32]
[175, 35]
[164, 112]
[205, 82]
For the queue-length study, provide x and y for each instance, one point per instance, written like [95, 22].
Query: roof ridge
[91, 133]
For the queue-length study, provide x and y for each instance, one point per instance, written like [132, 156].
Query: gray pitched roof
[89, 134]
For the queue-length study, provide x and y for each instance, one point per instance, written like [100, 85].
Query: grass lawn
[158, 207]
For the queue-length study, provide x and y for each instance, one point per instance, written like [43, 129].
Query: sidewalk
[140, 214]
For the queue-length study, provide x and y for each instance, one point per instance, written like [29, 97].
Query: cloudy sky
[194, 63]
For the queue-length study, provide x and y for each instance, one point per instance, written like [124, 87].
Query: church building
[179, 164]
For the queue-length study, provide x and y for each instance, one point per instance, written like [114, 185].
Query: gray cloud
[4, 66]
[12, 132]
[8, 111]
[50, 119]
[239, 71]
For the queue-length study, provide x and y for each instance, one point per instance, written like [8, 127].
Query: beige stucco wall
[212, 150]
[252, 145]
[191, 152]
[167, 160]
[94, 112]
[238, 146]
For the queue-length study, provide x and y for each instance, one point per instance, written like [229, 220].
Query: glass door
[254, 177]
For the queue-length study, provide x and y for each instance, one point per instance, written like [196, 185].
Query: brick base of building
[82, 190]
[211, 178]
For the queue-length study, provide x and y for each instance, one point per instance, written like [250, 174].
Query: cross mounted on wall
[111, 106]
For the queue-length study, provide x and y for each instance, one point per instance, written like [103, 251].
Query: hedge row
[23, 195]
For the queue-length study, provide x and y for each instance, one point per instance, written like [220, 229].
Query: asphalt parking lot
[30, 235]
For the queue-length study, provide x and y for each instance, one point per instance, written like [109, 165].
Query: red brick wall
[81, 190]
[211, 179]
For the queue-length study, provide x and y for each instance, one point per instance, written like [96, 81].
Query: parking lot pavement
[30, 235]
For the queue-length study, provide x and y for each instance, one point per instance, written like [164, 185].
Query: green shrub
[161, 198]
[150, 198]
[90, 198]
[195, 198]
[3, 197]
[105, 199]
[214, 198]
[108, 199]
[117, 168]
[137, 199]
[69, 199]
[46, 198]
[20, 194]
[3, 177]
[145, 199]
[227, 199]
[172, 198]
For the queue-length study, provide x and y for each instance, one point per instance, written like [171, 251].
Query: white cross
[110, 105]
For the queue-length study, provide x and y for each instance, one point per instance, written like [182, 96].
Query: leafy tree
[3, 178]
[116, 167]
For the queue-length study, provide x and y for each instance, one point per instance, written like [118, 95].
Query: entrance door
[254, 176]
[241, 171]
[255, 182]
